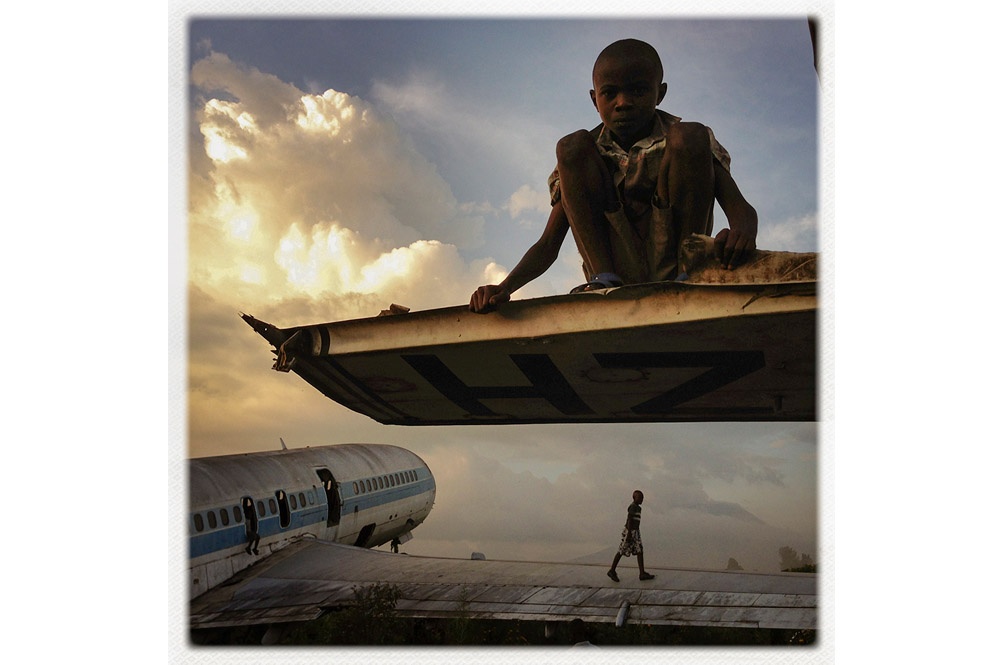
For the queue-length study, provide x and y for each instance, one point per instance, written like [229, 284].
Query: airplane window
[237, 514]
[224, 514]
[212, 522]
[291, 498]
[199, 523]
[355, 487]
[386, 479]
[392, 480]
[381, 485]
[368, 484]
[260, 508]
[273, 506]
[302, 499]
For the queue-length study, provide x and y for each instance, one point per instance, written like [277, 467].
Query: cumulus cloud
[309, 193]
[306, 207]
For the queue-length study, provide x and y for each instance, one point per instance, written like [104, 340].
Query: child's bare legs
[614, 564]
[687, 179]
[587, 193]
[643, 575]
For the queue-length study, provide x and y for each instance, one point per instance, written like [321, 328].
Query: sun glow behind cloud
[303, 208]
[327, 197]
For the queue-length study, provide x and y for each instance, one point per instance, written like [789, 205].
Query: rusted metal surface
[309, 577]
[664, 352]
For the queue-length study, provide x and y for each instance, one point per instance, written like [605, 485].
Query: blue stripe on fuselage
[375, 498]
[222, 538]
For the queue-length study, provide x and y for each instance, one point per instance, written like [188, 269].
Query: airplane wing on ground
[662, 352]
[309, 577]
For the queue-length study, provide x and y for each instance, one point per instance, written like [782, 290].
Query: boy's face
[626, 93]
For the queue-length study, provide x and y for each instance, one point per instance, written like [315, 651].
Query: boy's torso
[635, 171]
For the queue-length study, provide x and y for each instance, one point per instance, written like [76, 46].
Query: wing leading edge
[306, 579]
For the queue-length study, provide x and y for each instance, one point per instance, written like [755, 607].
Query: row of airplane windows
[381, 482]
[237, 517]
[360, 487]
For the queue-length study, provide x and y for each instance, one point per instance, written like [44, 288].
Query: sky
[338, 166]
[89, 267]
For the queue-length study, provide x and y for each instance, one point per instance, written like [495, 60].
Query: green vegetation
[370, 620]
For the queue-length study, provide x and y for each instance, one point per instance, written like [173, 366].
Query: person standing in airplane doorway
[631, 540]
[250, 515]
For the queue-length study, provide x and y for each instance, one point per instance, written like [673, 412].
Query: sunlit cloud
[327, 112]
[327, 196]
[221, 142]
[305, 207]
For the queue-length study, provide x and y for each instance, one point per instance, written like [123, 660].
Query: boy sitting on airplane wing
[633, 188]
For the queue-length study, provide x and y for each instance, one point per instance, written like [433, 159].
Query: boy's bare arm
[737, 243]
[535, 261]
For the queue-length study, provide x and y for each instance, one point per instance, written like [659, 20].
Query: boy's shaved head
[631, 49]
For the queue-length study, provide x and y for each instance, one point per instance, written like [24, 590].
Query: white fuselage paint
[376, 492]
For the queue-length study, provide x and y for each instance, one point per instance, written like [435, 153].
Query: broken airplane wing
[661, 352]
[310, 577]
